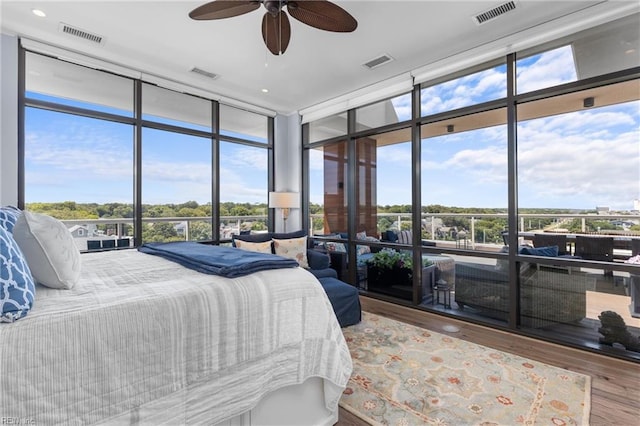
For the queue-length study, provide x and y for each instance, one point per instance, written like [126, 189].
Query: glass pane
[383, 182]
[479, 287]
[545, 69]
[610, 47]
[389, 111]
[169, 107]
[469, 90]
[243, 124]
[580, 158]
[328, 189]
[328, 128]
[80, 170]
[244, 189]
[464, 181]
[57, 81]
[176, 186]
[582, 305]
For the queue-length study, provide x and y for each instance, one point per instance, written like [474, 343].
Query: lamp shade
[284, 200]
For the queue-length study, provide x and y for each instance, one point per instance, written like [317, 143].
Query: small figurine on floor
[615, 330]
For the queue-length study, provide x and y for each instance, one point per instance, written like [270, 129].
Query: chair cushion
[390, 236]
[318, 260]
[550, 251]
[344, 299]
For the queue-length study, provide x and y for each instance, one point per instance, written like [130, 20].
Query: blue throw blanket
[225, 261]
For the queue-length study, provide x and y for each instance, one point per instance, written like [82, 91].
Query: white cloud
[549, 69]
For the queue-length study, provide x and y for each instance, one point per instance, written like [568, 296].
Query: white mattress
[142, 339]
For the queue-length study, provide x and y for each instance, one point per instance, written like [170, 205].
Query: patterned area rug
[406, 375]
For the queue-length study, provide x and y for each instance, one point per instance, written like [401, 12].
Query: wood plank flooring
[615, 385]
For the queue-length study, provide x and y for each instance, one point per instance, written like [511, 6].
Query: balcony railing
[457, 230]
[116, 230]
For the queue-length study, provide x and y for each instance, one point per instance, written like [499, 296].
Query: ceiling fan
[276, 30]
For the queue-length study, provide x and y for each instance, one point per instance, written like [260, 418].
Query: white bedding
[142, 339]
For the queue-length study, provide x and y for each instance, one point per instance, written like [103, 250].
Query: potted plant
[391, 271]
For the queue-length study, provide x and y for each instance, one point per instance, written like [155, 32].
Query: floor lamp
[284, 201]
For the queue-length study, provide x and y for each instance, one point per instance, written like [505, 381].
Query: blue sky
[91, 161]
[578, 160]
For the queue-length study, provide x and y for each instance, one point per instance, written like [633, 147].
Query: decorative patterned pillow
[293, 248]
[362, 249]
[337, 247]
[263, 247]
[49, 248]
[8, 217]
[17, 289]
[405, 237]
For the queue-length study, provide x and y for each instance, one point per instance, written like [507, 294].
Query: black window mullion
[215, 172]
[137, 163]
[512, 188]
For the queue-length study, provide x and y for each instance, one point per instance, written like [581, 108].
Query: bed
[143, 340]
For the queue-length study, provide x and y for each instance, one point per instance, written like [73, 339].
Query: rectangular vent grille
[77, 32]
[495, 12]
[376, 62]
[204, 73]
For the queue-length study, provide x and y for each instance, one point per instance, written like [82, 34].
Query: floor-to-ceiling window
[244, 171]
[176, 166]
[579, 174]
[516, 184]
[78, 149]
[91, 138]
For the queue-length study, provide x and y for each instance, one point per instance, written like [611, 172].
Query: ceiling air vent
[202, 72]
[495, 12]
[376, 62]
[77, 32]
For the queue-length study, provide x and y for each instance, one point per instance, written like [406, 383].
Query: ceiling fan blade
[219, 9]
[276, 32]
[322, 14]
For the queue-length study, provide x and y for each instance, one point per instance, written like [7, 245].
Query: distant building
[603, 210]
[636, 205]
[78, 231]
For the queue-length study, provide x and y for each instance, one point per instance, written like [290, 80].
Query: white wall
[8, 120]
[288, 165]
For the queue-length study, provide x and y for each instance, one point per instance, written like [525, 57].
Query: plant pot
[392, 281]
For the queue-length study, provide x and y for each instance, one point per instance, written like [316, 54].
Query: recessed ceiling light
[265, 90]
[39, 13]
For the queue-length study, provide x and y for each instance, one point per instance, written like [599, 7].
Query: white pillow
[293, 248]
[264, 247]
[49, 249]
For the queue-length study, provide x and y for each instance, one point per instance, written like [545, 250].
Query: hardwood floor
[615, 385]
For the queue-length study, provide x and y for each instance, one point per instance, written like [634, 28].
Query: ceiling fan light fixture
[276, 30]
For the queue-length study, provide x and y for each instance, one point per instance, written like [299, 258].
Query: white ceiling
[158, 38]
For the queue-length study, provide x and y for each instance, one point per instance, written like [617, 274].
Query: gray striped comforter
[143, 340]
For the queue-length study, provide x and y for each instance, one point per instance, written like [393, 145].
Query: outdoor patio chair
[546, 240]
[595, 248]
